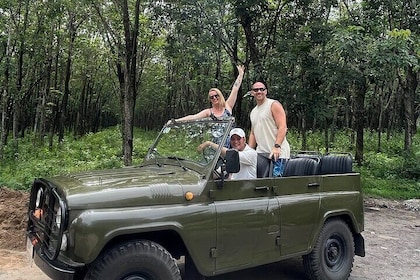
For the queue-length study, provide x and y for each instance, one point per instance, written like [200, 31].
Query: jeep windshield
[178, 141]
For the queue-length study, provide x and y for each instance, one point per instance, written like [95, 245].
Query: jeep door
[247, 224]
[299, 201]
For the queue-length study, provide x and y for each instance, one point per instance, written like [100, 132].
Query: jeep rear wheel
[333, 254]
[135, 260]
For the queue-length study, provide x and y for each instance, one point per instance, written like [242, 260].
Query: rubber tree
[397, 32]
[203, 48]
[349, 48]
[120, 23]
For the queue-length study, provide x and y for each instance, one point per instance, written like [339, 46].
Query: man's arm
[251, 141]
[248, 157]
[215, 146]
[279, 116]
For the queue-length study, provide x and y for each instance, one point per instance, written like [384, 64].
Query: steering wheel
[208, 155]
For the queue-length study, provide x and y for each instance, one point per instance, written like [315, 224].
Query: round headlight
[58, 217]
[38, 198]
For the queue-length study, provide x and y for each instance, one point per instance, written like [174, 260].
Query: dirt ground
[392, 241]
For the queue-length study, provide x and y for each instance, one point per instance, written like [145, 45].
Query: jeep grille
[47, 216]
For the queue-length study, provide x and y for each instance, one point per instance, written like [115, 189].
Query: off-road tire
[135, 260]
[333, 254]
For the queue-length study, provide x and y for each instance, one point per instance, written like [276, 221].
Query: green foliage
[316, 141]
[100, 150]
[142, 141]
[390, 188]
[391, 173]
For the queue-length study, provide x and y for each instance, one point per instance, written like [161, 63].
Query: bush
[101, 150]
[392, 173]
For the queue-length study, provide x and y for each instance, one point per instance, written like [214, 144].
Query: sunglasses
[216, 96]
[258, 89]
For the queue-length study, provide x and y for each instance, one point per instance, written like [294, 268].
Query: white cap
[238, 131]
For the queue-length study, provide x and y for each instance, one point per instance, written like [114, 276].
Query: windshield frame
[177, 143]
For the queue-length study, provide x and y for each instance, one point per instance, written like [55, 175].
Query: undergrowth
[101, 150]
[391, 173]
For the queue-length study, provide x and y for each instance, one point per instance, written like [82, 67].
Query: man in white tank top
[269, 128]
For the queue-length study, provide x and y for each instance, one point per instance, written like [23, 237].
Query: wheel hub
[333, 252]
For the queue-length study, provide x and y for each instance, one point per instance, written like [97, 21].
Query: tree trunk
[333, 125]
[128, 125]
[359, 115]
[4, 101]
[64, 103]
[327, 139]
[130, 77]
[409, 92]
[246, 22]
[380, 118]
[304, 135]
[80, 127]
[121, 82]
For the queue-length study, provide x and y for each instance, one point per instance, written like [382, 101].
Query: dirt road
[392, 239]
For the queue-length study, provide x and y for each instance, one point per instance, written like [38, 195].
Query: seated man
[247, 155]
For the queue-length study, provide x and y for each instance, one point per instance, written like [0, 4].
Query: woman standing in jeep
[219, 106]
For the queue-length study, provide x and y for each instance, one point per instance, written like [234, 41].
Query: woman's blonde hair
[220, 94]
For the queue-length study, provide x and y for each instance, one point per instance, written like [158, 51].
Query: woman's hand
[241, 69]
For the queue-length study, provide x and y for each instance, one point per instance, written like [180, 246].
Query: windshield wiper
[178, 159]
[158, 163]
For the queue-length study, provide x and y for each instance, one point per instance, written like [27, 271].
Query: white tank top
[265, 129]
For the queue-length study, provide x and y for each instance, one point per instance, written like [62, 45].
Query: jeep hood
[127, 187]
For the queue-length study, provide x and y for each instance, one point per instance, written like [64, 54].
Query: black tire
[333, 254]
[135, 260]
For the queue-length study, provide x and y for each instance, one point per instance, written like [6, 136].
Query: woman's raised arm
[230, 102]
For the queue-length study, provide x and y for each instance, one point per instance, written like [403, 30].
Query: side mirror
[232, 161]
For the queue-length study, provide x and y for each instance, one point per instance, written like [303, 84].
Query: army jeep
[178, 207]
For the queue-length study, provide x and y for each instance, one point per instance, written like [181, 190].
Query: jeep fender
[94, 229]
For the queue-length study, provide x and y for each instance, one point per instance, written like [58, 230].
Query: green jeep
[178, 206]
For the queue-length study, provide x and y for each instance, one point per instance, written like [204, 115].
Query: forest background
[344, 70]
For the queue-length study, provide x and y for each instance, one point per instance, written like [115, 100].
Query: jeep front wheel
[333, 253]
[135, 260]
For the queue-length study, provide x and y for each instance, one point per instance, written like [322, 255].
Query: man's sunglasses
[216, 96]
[258, 89]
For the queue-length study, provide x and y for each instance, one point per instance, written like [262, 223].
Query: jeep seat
[264, 166]
[301, 167]
[336, 164]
